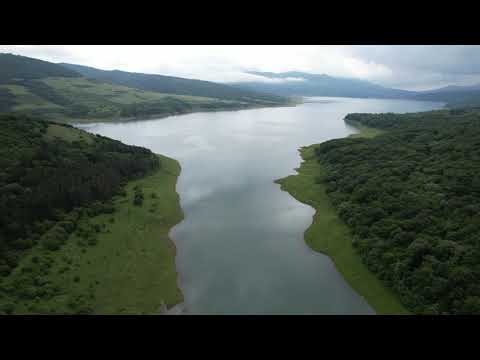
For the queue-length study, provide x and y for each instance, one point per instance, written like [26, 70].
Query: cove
[241, 248]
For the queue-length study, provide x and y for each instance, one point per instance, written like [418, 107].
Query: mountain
[296, 83]
[172, 85]
[453, 88]
[454, 96]
[57, 92]
[14, 67]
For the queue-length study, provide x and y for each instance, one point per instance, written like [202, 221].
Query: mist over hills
[295, 83]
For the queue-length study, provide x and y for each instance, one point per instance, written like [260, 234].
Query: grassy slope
[104, 100]
[329, 235]
[86, 89]
[25, 100]
[66, 134]
[131, 270]
[100, 98]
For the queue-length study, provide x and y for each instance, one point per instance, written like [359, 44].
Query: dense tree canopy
[412, 199]
[48, 172]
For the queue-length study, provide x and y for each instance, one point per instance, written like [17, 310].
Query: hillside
[13, 67]
[51, 91]
[453, 96]
[81, 216]
[305, 84]
[410, 197]
[174, 85]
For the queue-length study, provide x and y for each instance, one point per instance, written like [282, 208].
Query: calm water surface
[240, 249]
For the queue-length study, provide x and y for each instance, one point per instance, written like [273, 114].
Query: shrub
[51, 243]
[138, 199]
[7, 308]
[4, 270]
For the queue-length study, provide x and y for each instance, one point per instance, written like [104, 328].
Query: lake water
[240, 249]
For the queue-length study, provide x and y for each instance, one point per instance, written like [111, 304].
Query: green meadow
[329, 235]
[130, 269]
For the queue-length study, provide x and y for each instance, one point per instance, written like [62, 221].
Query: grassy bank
[130, 269]
[329, 235]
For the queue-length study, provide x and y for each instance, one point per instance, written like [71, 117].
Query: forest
[411, 197]
[51, 175]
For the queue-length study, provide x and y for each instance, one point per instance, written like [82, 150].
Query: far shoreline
[119, 120]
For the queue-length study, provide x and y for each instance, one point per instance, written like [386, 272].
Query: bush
[69, 226]
[138, 197]
[7, 308]
[23, 244]
[51, 243]
[5, 270]
[92, 241]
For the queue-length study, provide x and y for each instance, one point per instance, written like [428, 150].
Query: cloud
[410, 67]
[418, 66]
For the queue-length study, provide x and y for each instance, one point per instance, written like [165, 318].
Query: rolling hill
[56, 92]
[454, 96]
[173, 85]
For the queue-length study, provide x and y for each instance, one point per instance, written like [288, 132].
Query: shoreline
[330, 236]
[181, 216]
[131, 269]
[83, 121]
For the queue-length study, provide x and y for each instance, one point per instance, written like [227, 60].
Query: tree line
[47, 183]
[411, 198]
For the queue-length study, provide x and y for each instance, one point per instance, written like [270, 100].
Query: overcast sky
[406, 67]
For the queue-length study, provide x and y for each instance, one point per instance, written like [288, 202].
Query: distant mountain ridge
[170, 84]
[455, 96]
[453, 88]
[306, 84]
[296, 83]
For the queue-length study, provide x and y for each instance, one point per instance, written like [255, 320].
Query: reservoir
[240, 248]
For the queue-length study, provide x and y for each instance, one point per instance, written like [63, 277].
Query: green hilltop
[57, 92]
